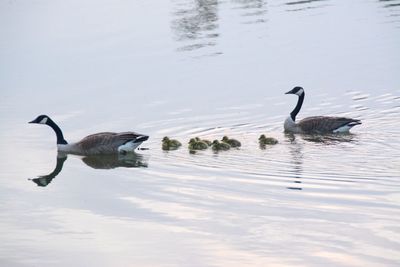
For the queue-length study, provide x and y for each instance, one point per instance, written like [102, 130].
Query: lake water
[203, 68]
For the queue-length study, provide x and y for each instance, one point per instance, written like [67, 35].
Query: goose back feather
[326, 124]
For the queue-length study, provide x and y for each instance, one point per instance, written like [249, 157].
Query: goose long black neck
[57, 130]
[296, 110]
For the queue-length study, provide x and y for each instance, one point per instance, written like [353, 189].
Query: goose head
[296, 91]
[42, 119]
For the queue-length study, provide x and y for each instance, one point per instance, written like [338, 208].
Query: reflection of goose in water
[44, 180]
[112, 161]
[99, 143]
[296, 150]
[253, 10]
[329, 139]
[196, 22]
[299, 5]
[297, 161]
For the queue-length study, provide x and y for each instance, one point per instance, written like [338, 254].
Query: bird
[316, 124]
[197, 144]
[217, 146]
[170, 144]
[263, 140]
[231, 142]
[208, 142]
[95, 144]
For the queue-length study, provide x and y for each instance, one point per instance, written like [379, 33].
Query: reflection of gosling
[197, 144]
[208, 142]
[231, 142]
[170, 144]
[217, 146]
[267, 140]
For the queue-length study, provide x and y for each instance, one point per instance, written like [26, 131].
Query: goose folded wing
[324, 124]
[106, 141]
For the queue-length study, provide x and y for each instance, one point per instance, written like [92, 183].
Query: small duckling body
[231, 142]
[197, 144]
[170, 144]
[263, 140]
[208, 142]
[217, 146]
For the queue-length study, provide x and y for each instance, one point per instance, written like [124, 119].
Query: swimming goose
[317, 124]
[99, 143]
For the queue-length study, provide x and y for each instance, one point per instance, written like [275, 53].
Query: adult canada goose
[99, 143]
[317, 124]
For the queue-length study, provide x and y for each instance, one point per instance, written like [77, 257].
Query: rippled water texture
[202, 68]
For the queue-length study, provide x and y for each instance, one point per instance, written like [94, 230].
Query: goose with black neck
[95, 144]
[316, 124]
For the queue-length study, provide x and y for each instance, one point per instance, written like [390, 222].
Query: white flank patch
[343, 129]
[128, 147]
[43, 121]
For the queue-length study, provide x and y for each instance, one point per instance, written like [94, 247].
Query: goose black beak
[288, 93]
[32, 121]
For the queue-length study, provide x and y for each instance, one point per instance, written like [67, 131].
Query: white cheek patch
[300, 92]
[43, 121]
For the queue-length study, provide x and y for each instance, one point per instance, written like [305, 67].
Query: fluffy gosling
[197, 144]
[263, 140]
[170, 144]
[231, 142]
[217, 146]
[208, 142]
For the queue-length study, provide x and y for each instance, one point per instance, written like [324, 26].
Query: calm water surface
[200, 68]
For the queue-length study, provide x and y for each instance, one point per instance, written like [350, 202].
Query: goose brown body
[101, 143]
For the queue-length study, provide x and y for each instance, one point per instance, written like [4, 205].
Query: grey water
[208, 68]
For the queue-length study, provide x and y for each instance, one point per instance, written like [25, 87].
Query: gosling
[231, 142]
[217, 146]
[170, 144]
[263, 140]
[208, 142]
[197, 144]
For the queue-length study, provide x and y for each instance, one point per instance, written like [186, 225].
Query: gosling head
[296, 91]
[42, 119]
[225, 138]
[215, 142]
[262, 137]
[165, 139]
[192, 141]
